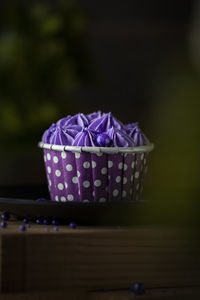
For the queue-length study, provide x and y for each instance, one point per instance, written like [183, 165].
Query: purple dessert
[95, 158]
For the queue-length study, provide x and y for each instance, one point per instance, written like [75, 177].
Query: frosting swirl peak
[92, 129]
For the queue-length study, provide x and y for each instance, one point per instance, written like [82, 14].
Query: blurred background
[138, 59]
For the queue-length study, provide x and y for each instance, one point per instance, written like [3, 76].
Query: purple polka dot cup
[95, 174]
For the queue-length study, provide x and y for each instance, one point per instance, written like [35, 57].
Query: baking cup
[95, 174]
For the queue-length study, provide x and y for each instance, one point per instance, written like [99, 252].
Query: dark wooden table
[102, 262]
[99, 262]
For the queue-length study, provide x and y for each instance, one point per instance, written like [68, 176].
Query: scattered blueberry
[73, 225]
[39, 220]
[55, 221]
[5, 216]
[55, 228]
[26, 220]
[22, 228]
[103, 140]
[138, 288]
[46, 229]
[46, 221]
[3, 224]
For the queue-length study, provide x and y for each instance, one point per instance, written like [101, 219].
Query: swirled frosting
[91, 130]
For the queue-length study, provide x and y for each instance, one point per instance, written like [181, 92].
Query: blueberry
[55, 221]
[26, 220]
[3, 224]
[5, 216]
[138, 288]
[73, 225]
[46, 229]
[22, 228]
[46, 221]
[39, 220]
[40, 199]
[103, 140]
[55, 228]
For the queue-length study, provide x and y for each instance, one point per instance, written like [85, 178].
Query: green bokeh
[42, 58]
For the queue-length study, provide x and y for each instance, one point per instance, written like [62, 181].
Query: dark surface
[82, 213]
[24, 191]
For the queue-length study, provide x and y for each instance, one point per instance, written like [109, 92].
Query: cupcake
[95, 158]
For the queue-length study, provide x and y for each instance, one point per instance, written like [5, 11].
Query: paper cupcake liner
[95, 177]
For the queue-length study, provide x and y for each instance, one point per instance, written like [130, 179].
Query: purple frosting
[63, 136]
[84, 138]
[104, 123]
[83, 130]
[78, 119]
[120, 138]
[94, 115]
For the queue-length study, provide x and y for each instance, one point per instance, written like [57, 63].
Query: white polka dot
[124, 180]
[86, 183]
[77, 155]
[48, 156]
[49, 170]
[63, 154]
[86, 164]
[102, 200]
[93, 193]
[118, 179]
[70, 197]
[125, 154]
[125, 167]
[104, 171]
[85, 201]
[66, 185]
[131, 178]
[137, 187]
[63, 199]
[75, 179]
[79, 192]
[45, 159]
[110, 164]
[93, 164]
[137, 174]
[58, 173]
[120, 165]
[99, 154]
[60, 186]
[55, 159]
[78, 174]
[115, 193]
[142, 156]
[49, 182]
[69, 167]
[97, 183]
[56, 198]
[133, 165]
[123, 194]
